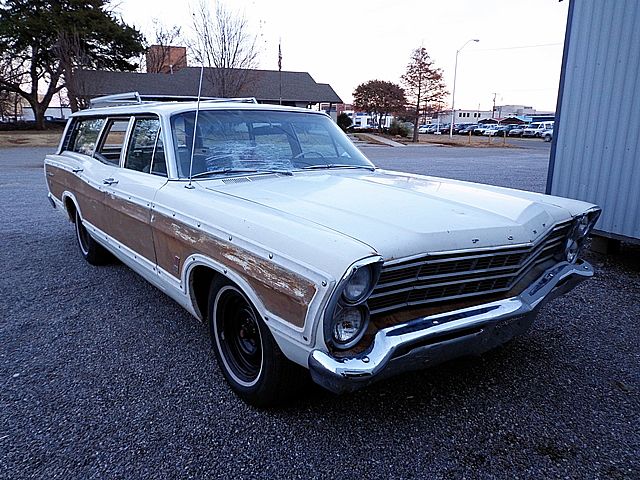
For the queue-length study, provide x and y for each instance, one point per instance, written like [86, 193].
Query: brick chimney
[166, 58]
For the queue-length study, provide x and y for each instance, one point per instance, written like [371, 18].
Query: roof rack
[128, 98]
[134, 98]
[235, 100]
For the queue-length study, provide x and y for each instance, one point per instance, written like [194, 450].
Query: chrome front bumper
[434, 339]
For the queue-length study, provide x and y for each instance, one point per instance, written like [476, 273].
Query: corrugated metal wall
[596, 153]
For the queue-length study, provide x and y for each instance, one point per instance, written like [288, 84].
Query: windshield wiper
[276, 170]
[224, 171]
[322, 166]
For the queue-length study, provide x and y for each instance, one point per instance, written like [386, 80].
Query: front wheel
[92, 251]
[249, 357]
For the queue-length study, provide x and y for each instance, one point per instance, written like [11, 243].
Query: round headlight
[358, 285]
[572, 250]
[348, 327]
[583, 225]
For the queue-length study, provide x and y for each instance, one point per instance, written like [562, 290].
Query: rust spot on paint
[283, 292]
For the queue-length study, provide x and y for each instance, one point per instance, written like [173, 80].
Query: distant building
[504, 111]
[165, 58]
[55, 111]
[460, 116]
[51, 113]
[299, 89]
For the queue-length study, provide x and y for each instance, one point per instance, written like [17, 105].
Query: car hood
[400, 214]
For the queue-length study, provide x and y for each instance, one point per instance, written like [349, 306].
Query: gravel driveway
[103, 376]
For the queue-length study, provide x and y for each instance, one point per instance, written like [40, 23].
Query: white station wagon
[267, 223]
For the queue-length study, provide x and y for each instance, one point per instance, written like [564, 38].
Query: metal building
[595, 155]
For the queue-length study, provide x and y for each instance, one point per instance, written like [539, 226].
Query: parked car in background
[468, 129]
[480, 129]
[459, 126]
[423, 128]
[492, 130]
[502, 130]
[441, 129]
[267, 224]
[517, 131]
[535, 129]
[508, 128]
[547, 135]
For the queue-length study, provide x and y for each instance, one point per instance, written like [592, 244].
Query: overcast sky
[345, 43]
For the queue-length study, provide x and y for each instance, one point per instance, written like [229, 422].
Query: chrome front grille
[438, 277]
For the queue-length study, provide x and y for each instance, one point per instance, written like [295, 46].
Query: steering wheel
[218, 157]
[302, 154]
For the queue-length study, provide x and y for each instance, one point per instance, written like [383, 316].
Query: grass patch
[33, 138]
[363, 137]
[463, 141]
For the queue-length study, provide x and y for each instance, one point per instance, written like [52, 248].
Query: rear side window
[86, 135]
[110, 148]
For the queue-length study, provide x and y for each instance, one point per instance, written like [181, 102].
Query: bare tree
[224, 43]
[13, 72]
[162, 56]
[20, 76]
[424, 84]
[73, 57]
[9, 102]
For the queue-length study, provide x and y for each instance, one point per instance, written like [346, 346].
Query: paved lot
[102, 376]
[524, 167]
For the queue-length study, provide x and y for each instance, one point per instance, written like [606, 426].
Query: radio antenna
[195, 129]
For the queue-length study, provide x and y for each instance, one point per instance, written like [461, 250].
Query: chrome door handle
[77, 170]
[109, 181]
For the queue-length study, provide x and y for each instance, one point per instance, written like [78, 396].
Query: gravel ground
[103, 376]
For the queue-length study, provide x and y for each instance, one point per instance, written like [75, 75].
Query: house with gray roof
[267, 86]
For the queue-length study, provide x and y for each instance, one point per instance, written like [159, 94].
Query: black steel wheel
[246, 352]
[92, 251]
[238, 336]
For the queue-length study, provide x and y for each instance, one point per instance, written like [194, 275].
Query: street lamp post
[453, 94]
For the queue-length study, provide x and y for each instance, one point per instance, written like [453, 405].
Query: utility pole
[280, 67]
[453, 94]
[493, 115]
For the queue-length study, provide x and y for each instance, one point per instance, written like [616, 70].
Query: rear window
[85, 135]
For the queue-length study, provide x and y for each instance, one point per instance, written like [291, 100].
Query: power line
[518, 47]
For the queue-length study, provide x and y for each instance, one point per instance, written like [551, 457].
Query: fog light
[349, 325]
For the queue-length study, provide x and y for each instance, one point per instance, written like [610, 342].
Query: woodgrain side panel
[168, 242]
[90, 200]
[283, 292]
[130, 224]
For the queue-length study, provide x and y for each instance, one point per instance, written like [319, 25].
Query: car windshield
[256, 141]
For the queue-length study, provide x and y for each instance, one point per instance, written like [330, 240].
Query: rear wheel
[92, 251]
[248, 355]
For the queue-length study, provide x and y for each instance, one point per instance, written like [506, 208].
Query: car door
[131, 186]
[79, 173]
